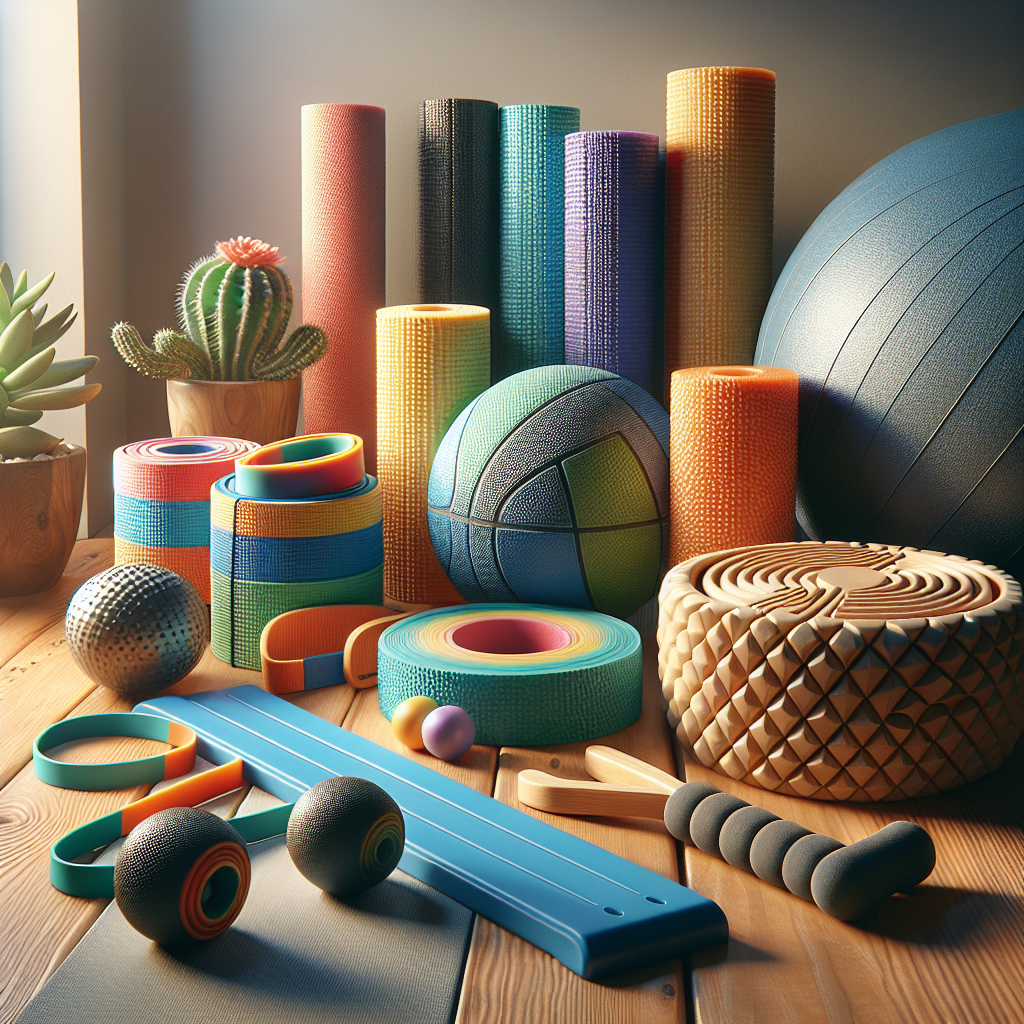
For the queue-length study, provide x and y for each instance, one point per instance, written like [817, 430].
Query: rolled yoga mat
[343, 264]
[610, 259]
[162, 502]
[732, 458]
[432, 361]
[527, 674]
[529, 331]
[273, 555]
[719, 213]
[459, 202]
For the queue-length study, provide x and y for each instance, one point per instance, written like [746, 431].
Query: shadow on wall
[158, 148]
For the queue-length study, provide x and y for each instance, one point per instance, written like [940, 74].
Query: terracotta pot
[40, 507]
[253, 410]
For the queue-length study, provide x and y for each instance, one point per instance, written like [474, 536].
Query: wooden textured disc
[842, 671]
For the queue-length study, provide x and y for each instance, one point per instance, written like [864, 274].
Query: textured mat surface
[295, 954]
[611, 193]
[343, 264]
[718, 214]
[532, 211]
[459, 202]
[432, 361]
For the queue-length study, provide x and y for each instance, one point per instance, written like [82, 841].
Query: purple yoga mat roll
[611, 223]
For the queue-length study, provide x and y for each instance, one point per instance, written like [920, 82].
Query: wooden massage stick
[843, 881]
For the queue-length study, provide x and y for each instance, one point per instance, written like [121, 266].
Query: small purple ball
[448, 732]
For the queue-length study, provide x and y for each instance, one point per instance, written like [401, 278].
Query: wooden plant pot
[40, 507]
[261, 411]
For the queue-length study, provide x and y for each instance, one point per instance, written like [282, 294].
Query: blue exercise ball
[901, 310]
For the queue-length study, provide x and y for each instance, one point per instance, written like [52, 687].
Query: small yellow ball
[407, 720]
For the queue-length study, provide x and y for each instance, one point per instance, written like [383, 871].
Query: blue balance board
[595, 912]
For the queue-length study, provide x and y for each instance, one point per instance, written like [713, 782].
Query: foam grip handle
[680, 806]
[770, 846]
[708, 818]
[855, 879]
[738, 833]
[802, 858]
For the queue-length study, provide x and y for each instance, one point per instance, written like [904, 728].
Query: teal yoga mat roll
[528, 675]
[531, 204]
[240, 608]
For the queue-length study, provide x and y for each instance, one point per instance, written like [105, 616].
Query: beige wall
[190, 115]
[40, 167]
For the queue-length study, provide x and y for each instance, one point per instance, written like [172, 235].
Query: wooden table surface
[953, 951]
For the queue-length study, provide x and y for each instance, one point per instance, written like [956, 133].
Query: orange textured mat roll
[719, 206]
[343, 264]
[732, 458]
[432, 361]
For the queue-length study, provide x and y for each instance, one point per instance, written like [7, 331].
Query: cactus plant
[234, 307]
[29, 378]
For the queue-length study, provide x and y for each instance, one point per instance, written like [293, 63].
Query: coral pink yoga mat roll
[343, 265]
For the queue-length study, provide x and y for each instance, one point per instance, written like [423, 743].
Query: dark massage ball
[346, 835]
[181, 876]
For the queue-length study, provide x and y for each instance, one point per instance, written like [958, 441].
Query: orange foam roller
[343, 264]
[732, 458]
[432, 361]
[719, 213]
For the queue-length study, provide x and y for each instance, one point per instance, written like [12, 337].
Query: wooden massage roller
[845, 882]
[842, 671]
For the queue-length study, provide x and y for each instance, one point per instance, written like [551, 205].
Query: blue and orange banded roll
[529, 675]
[274, 555]
[302, 467]
[162, 502]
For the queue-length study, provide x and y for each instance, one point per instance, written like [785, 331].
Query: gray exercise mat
[294, 954]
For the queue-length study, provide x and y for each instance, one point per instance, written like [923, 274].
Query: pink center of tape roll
[511, 636]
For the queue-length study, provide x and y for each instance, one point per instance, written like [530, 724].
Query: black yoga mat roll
[458, 155]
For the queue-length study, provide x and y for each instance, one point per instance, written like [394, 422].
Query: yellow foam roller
[432, 361]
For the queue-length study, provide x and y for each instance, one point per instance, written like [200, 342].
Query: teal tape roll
[532, 250]
[240, 609]
[528, 675]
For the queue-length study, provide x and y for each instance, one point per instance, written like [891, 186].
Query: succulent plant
[234, 307]
[29, 378]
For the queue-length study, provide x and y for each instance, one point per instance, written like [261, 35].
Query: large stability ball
[901, 310]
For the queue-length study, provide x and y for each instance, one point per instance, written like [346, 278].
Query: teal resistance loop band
[97, 880]
[119, 774]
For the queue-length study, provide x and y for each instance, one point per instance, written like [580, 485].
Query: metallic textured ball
[137, 629]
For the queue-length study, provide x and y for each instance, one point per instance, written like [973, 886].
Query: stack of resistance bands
[297, 524]
[162, 502]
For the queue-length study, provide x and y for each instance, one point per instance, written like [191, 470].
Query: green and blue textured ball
[552, 488]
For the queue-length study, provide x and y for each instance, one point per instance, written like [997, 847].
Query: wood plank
[507, 978]
[953, 950]
[22, 619]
